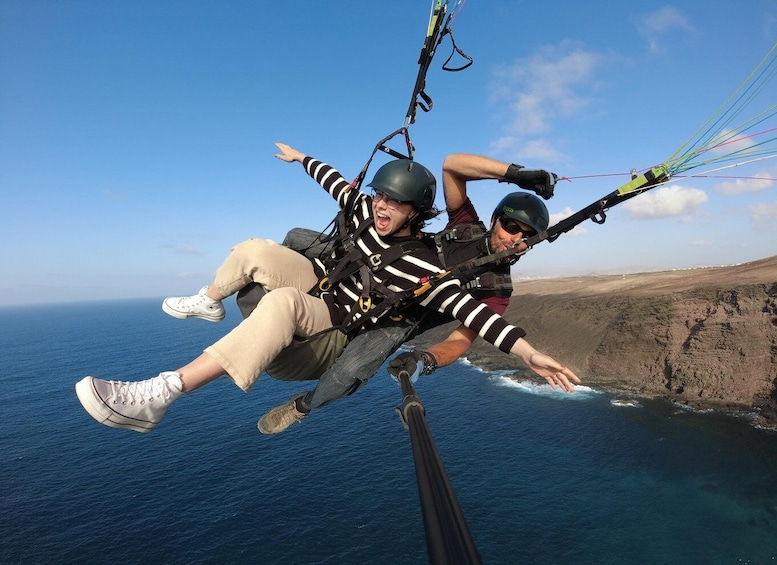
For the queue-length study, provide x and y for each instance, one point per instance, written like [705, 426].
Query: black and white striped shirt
[405, 273]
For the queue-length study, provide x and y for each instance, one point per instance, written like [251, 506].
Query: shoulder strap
[377, 299]
[447, 241]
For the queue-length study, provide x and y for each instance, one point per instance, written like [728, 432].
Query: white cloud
[760, 181]
[728, 142]
[530, 150]
[663, 20]
[538, 91]
[653, 25]
[764, 213]
[665, 202]
[565, 213]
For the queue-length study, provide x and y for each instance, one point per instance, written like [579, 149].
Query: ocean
[541, 476]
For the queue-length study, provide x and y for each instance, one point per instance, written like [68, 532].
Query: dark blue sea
[541, 477]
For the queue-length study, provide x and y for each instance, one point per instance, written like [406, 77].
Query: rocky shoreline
[705, 338]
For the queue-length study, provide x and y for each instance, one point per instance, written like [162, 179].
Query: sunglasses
[513, 228]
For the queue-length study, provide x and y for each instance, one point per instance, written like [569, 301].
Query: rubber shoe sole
[216, 317]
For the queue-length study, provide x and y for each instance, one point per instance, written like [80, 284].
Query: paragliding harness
[376, 299]
[460, 246]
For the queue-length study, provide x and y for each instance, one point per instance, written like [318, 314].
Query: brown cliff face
[705, 337]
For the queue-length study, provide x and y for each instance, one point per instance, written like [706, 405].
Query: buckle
[375, 260]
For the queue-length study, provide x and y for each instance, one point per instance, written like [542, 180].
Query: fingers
[558, 380]
[561, 379]
[287, 153]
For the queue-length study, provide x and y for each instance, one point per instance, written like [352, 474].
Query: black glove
[414, 363]
[538, 181]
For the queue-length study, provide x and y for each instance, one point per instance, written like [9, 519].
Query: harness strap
[391, 301]
[491, 281]
[460, 233]
[376, 299]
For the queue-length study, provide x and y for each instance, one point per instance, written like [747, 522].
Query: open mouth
[382, 222]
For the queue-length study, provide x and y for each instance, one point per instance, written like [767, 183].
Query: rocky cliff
[703, 337]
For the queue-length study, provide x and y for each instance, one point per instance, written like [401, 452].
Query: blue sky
[136, 137]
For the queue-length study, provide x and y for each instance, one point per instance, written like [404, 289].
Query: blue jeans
[364, 354]
[359, 361]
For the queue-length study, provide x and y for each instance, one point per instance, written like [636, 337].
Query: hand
[540, 181]
[288, 153]
[408, 362]
[556, 374]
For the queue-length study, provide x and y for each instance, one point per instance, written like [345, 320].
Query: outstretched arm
[325, 175]
[458, 342]
[448, 297]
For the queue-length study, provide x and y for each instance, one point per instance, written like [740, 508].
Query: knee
[287, 299]
[252, 248]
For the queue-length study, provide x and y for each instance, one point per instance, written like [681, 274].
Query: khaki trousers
[288, 310]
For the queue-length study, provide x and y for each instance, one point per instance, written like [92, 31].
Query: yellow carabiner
[323, 284]
[365, 303]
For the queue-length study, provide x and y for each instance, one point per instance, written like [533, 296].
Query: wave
[542, 389]
[510, 378]
[625, 403]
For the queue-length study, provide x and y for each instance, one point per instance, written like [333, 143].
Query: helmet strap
[409, 220]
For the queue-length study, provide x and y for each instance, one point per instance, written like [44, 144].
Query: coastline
[702, 338]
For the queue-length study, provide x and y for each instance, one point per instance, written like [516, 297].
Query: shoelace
[193, 301]
[130, 392]
[290, 414]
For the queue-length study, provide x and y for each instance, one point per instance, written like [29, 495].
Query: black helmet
[525, 208]
[407, 181]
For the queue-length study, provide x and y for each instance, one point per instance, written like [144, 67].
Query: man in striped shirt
[376, 224]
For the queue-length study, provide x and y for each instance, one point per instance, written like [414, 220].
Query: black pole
[448, 539]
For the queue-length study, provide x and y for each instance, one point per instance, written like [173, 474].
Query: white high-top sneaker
[137, 405]
[197, 306]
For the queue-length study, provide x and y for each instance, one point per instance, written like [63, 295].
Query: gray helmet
[407, 181]
[525, 208]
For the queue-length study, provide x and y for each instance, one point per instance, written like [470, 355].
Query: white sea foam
[625, 403]
[542, 389]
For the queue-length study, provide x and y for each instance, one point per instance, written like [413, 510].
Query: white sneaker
[197, 306]
[137, 405]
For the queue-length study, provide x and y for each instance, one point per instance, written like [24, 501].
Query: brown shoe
[281, 417]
